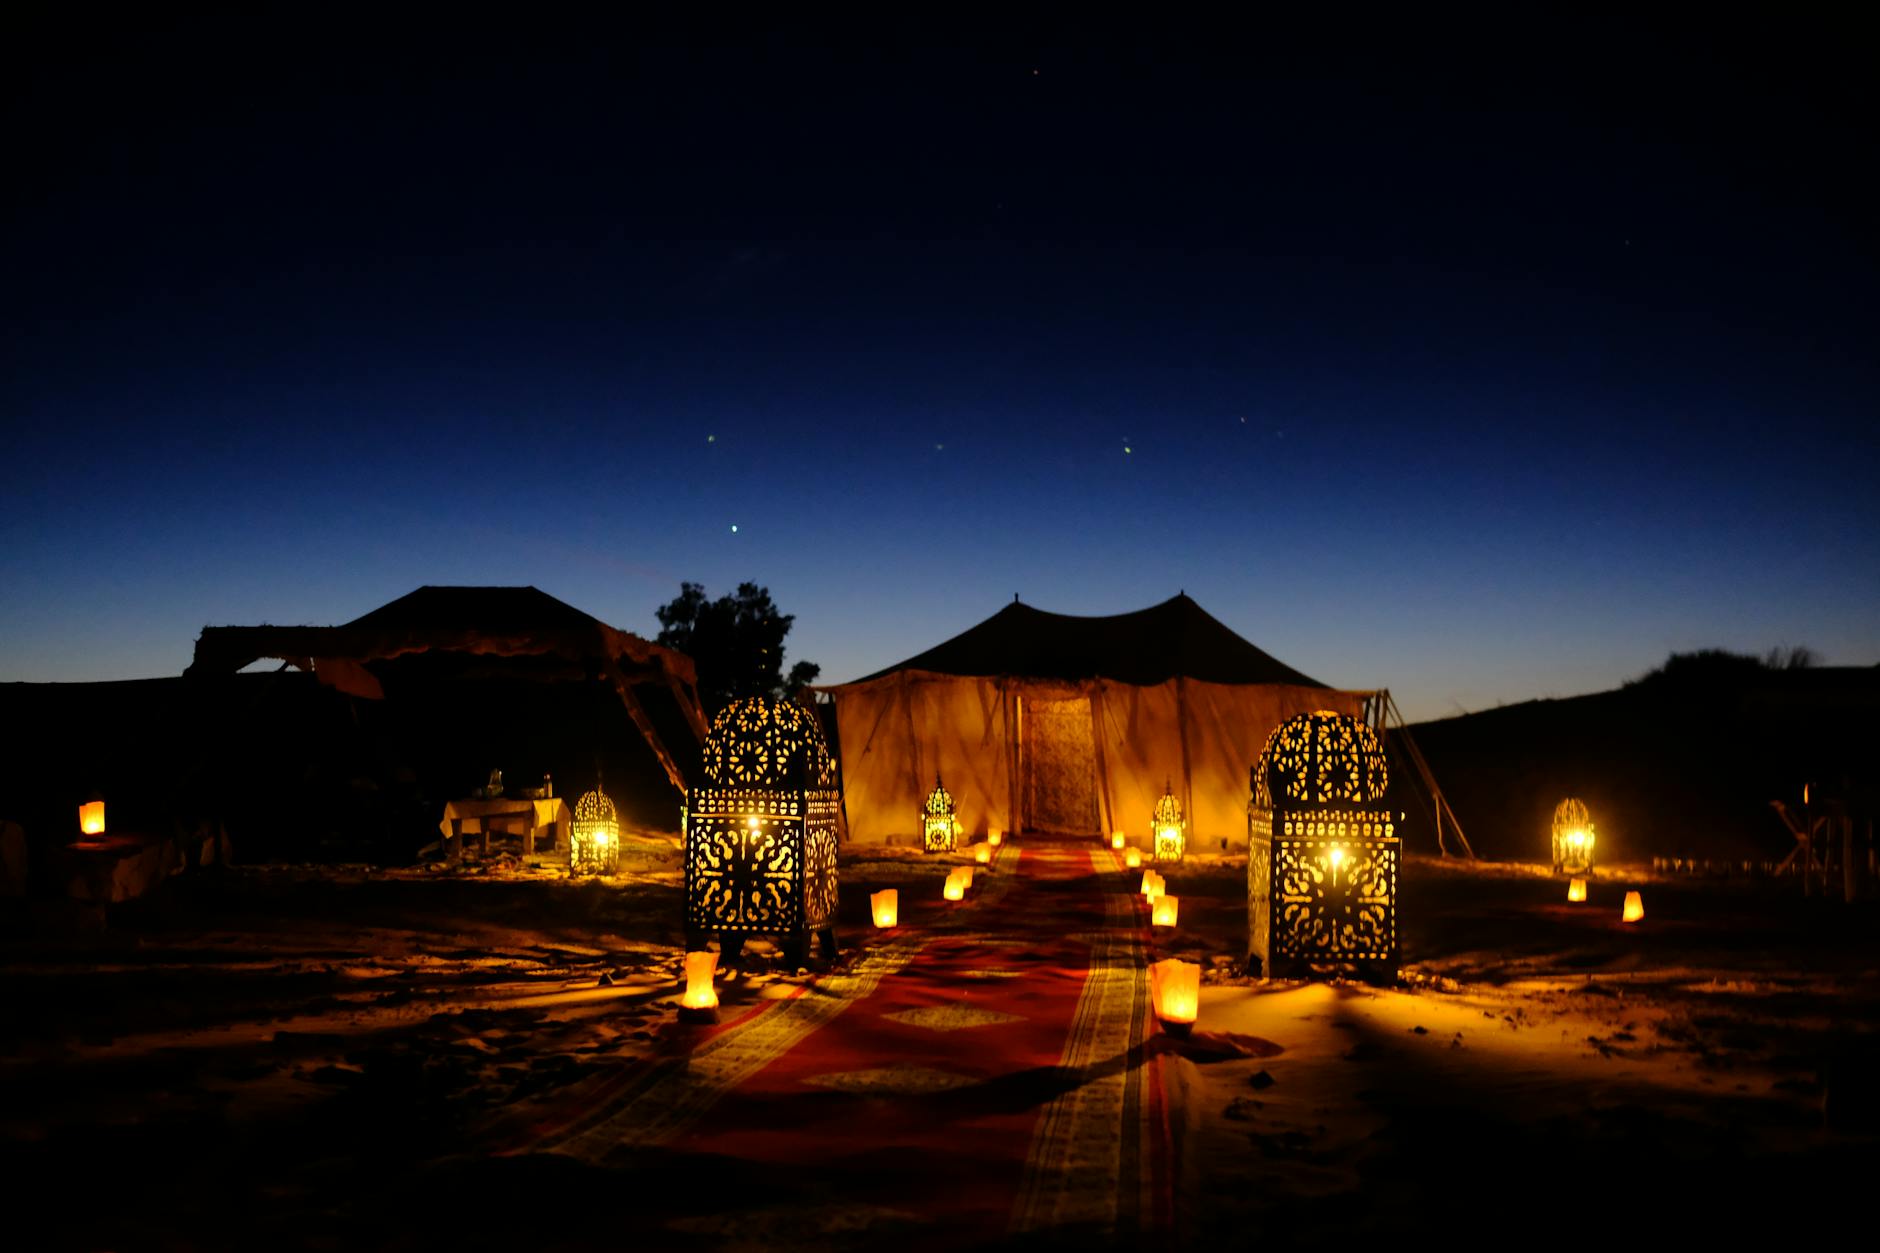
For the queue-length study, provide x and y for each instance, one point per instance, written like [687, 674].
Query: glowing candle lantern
[939, 832]
[995, 837]
[1168, 825]
[91, 818]
[761, 831]
[1634, 907]
[1132, 858]
[594, 836]
[1162, 913]
[955, 889]
[1175, 992]
[1152, 884]
[1572, 838]
[1322, 852]
[982, 853]
[1117, 840]
[1576, 891]
[886, 907]
[700, 996]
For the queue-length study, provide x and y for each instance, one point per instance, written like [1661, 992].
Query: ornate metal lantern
[760, 835]
[594, 836]
[1573, 838]
[1168, 825]
[1322, 852]
[939, 830]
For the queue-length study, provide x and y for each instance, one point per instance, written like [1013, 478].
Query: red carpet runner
[976, 1079]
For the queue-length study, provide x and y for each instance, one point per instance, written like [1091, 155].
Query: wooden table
[478, 816]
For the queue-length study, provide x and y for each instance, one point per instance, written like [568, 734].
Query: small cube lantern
[760, 835]
[939, 832]
[91, 818]
[1573, 838]
[1168, 826]
[594, 835]
[1322, 852]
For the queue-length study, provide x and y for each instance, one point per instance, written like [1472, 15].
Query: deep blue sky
[1483, 363]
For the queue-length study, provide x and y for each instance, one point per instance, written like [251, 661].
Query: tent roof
[1149, 646]
[485, 621]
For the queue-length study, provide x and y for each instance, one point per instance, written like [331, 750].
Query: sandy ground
[321, 1058]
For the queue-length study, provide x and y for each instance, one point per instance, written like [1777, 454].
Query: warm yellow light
[1117, 840]
[751, 822]
[886, 907]
[995, 837]
[1175, 991]
[1576, 891]
[982, 853]
[1148, 881]
[1164, 910]
[91, 818]
[699, 992]
[1337, 857]
[955, 889]
[1634, 907]
[1132, 858]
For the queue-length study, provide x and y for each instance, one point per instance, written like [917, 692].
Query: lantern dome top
[1324, 758]
[766, 742]
[1168, 810]
[939, 801]
[1571, 815]
[594, 807]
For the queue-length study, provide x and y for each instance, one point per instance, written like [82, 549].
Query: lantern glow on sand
[1175, 991]
[1576, 891]
[1168, 826]
[91, 818]
[1163, 911]
[701, 998]
[594, 836]
[939, 832]
[1634, 907]
[885, 905]
[1572, 838]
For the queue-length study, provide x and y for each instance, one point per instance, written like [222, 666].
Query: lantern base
[1180, 1030]
[702, 1017]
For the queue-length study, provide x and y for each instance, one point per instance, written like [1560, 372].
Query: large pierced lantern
[1322, 852]
[1168, 825]
[594, 836]
[760, 835]
[1573, 838]
[939, 829]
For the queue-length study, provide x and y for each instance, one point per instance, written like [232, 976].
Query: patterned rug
[977, 1079]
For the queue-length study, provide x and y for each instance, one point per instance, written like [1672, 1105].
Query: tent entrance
[1059, 751]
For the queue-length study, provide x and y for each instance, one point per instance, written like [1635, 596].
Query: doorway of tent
[1058, 761]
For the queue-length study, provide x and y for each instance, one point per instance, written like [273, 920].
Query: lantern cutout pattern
[1322, 852]
[1634, 908]
[1168, 826]
[594, 836]
[939, 831]
[701, 997]
[885, 906]
[1175, 993]
[1163, 912]
[91, 818]
[1572, 838]
[1576, 891]
[760, 834]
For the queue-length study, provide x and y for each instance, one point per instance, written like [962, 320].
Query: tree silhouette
[736, 641]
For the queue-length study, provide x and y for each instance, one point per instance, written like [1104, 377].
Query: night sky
[1483, 363]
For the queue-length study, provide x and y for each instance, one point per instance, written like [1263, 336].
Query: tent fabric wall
[899, 729]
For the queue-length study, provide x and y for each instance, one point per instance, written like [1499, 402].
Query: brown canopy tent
[561, 642]
[1044, 721]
